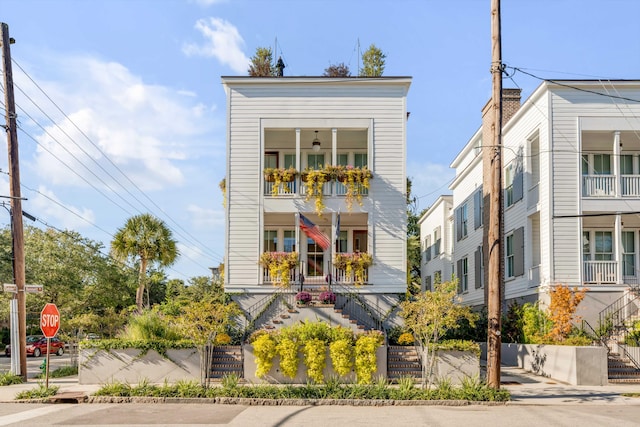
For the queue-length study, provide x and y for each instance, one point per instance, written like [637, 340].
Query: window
[478, 207]
[586, 246]
[289, 241]
[341, 244]
[360, 160]
[289, 161]
[514, 264]
[604, 246]
[270, 160]
[461, 222]
[360, 241]
[427, 248]
[437, 277]
[513, 179]
[463, 275]
[596, 164]
[628, 253]
[626, 164]
[315, 161]
[436, 241]
[270, 240]
[427, 283]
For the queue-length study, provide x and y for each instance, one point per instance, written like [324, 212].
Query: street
[33, 363]
[236, 415]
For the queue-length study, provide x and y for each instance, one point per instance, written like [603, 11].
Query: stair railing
[354, 305]
[628, 355]
[613, 317]
[256, 314]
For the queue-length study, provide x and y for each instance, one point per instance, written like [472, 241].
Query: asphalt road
[33, 363]
[194, 414]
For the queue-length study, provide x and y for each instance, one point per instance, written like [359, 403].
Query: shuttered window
[515, 253]
[478, 207]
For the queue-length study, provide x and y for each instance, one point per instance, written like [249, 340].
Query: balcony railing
[534, 276]
[340, 276]
[605, 185]
[598, 185]
[600, 271]
[266, 276]
[282, 189]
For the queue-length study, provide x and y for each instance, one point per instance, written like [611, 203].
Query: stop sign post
[49, 324]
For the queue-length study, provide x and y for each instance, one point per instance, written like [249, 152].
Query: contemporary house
[315, 186]
[436, 226]
[571, 191]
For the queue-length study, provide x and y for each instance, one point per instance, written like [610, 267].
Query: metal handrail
[352, 299]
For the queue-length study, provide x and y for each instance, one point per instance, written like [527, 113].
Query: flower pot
[269, 178]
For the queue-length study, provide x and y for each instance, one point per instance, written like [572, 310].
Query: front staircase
[226, 360]
[403, 361]
[621, 369]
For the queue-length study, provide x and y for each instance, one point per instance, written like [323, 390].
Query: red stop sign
[50, 320]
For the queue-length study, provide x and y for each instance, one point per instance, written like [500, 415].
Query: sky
[121, 110]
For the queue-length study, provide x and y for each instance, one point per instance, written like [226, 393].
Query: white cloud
[222, 41]
[428, 181]
[46, 204]
[145, 131]
[206, 219]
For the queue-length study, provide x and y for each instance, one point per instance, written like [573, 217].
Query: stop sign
[50, 320]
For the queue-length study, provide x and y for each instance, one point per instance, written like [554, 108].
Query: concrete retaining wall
[572, 365]
[454, 366]
[132, 366]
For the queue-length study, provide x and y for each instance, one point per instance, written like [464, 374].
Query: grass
[472, 390]
[40, 392]
[64, 371]
[7, 378]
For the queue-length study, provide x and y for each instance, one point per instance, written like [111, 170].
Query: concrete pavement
[525, 389]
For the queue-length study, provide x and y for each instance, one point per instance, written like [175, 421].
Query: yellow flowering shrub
[288, 351]
[341, 352]
[315, 355]
[264, 348]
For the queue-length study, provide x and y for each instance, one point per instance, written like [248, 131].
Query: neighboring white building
[435, 242]
[272, 122]
[571, 177]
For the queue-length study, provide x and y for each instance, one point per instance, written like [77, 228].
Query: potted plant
[355, 179]
[278, 176]
[327, 297]
[279, 265]
[355, 263]
[303, 298]
[315, 180]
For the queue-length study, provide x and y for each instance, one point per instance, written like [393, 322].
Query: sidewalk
[525, 389]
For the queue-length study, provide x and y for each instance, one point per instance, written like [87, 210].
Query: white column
[617, 248]
[616, 163]
[334, 146]
[298, 153]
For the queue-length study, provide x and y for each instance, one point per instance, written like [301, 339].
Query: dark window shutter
[459, 275]
[477, 202]
[478, 267]
[458, 224]
[518, 183]
[518, 252]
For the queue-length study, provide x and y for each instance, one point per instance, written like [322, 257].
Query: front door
[315, 259]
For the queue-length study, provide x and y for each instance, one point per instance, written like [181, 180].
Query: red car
[37, 345]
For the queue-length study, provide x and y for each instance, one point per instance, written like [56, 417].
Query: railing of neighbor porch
[598, 185]
[266, 276]
[340, 276]
[600, 271]
[630, 185]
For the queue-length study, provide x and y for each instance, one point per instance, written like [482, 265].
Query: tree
[429, 316]
[262, 63]
[148, 240]
[564, 302]
[337, 70]
[413, 244]
[372, 62]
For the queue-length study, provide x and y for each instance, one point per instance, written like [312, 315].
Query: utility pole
[16, 199]
[494, 339]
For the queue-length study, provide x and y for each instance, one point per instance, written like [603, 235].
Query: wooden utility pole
[16, 199]
[494, 303]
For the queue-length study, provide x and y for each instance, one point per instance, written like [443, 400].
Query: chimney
[510, 103]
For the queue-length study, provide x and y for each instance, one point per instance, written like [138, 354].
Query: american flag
[314, 232]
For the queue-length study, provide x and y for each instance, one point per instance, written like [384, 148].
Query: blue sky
[121, 109]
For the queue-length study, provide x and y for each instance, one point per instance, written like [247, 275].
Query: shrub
[341, 352]
[366, 361]
[406, 339]
[264, 348]
[315, 357]
[288, 351]
[222, 339]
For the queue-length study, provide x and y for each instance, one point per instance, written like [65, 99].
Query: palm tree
[147, 239]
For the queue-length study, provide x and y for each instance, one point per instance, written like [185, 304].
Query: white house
[436, 242]
[571, 182]
[308, 123]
